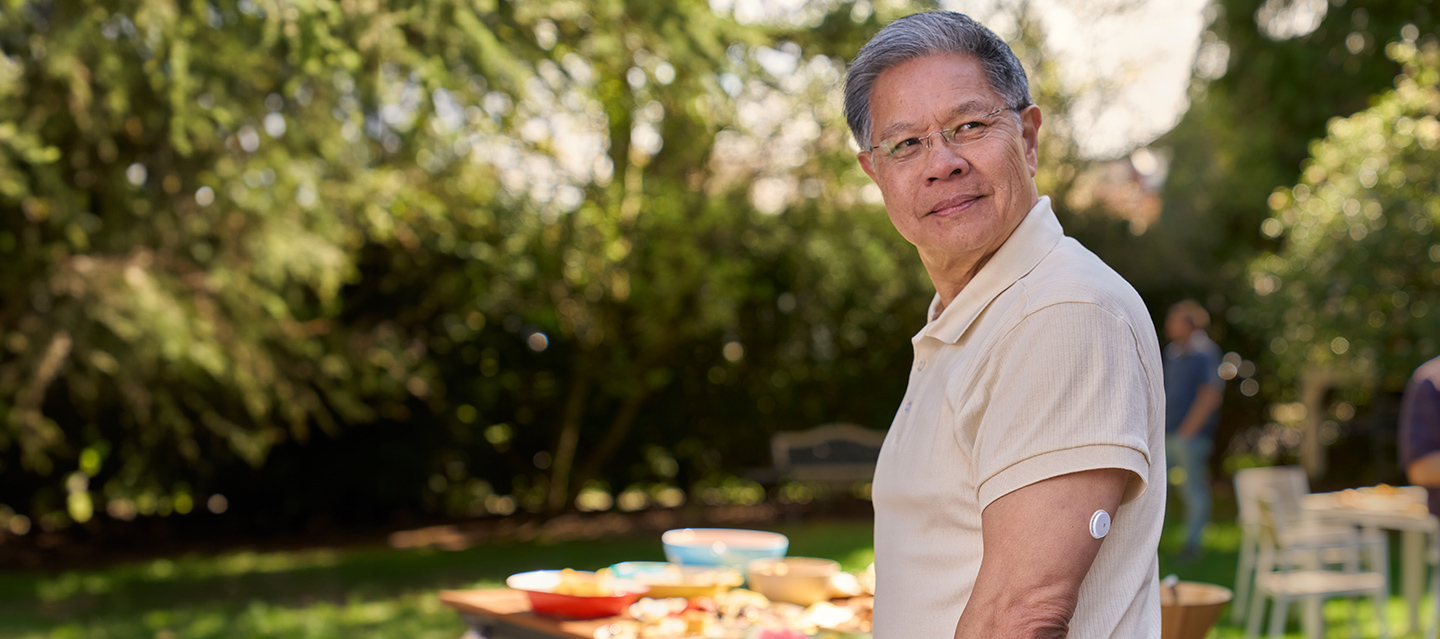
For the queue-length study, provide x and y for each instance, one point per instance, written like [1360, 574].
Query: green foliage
[1351, 286]
[437, 257]
[187, 193]
[1252, 118]
[231, 225]
[1266, 85]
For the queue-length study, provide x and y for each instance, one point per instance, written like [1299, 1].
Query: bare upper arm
[1038, 549]
[1425, 471]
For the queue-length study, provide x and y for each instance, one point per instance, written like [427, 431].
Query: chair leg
[1435, 592]
[1354, 617]
[1256, 614]
[1312, 617]
[1434, 632]
[1244, 575]
[1381, 598]
[1278, 612]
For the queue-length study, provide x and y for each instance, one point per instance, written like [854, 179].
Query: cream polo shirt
[1046, 364]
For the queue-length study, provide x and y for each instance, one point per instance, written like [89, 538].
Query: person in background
[1420, 431]
[1193, 390]
[1034, 411]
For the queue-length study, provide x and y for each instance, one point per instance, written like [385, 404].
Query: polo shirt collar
[1031, 241]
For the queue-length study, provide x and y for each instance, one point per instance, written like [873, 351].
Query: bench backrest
[833, 452]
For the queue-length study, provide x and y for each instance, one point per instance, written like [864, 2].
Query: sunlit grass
[375, 592]
[386, 593]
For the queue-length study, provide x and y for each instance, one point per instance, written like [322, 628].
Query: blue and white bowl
[730, 547]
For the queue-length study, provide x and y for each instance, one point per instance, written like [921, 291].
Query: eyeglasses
[967, 130]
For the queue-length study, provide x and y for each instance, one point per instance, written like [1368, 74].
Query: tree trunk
[619, 428]
[570, 423]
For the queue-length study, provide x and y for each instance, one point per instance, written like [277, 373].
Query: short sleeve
[1069, 393]
[1419, 419]
[1209, 373]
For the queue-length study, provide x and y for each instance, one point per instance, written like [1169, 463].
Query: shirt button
[920, 365]
[907, 405]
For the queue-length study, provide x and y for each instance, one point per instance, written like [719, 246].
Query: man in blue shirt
[1420, 430]
[1193, 390]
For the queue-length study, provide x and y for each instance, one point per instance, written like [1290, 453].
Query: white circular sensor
[1099, 524]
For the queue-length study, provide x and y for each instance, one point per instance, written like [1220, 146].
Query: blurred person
[1035, 402]
[1193, 391]
[1420, 431]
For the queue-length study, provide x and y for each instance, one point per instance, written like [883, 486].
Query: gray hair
[925, 34]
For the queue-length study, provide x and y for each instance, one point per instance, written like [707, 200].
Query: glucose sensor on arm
[1099, 524]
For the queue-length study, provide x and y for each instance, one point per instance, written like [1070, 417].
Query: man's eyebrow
[893, 129]
[969, 107]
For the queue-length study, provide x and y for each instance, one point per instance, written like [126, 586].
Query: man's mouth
[954, 205]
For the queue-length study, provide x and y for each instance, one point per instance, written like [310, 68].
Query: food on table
[741, 614]
[578, 584]
[575, 594]
[670, 580]
[867, 579]
[844, 584]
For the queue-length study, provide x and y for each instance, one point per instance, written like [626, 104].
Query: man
[1035, 400]
[1420, 430]
[1193, 390]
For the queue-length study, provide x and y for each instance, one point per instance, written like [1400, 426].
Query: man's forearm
[1425, 471]
[1032, 614]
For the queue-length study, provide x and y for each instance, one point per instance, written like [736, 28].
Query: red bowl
[539, 586]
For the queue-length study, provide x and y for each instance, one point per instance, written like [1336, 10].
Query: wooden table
[1404, 509]
[503, 613]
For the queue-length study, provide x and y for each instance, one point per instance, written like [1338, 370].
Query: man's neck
[1184, 343]
[952, 272]
[951, 278]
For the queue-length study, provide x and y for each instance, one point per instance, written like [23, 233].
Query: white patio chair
[1286, 486]
[1435, 587]
[1309, 574]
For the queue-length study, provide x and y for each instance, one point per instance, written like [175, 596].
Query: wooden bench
[834, 456]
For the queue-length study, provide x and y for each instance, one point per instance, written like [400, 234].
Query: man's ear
[1030, 134]
[866, 164]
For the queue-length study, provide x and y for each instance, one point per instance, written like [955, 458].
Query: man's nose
[943, 160]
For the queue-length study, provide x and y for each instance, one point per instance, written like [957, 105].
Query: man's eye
[970, 126]
[904, 146]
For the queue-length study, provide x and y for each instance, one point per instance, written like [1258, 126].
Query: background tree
[189, 195]
[348, 260]
[1351, 286]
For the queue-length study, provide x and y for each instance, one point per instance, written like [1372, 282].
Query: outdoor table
[1403, 509]
[503, 613]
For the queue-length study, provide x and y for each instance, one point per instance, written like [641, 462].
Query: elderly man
[1035, 408]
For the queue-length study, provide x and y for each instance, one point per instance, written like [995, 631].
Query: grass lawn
[379, 593]
[389, 593]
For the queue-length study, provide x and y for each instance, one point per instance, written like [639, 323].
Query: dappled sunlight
[418, 615]
[324, 593]
[71, 584]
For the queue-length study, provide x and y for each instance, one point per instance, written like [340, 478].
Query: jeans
[1193, 456]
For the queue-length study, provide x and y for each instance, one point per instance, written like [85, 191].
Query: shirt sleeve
[1209, 374]
[1071, 393]
[1419, 420]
